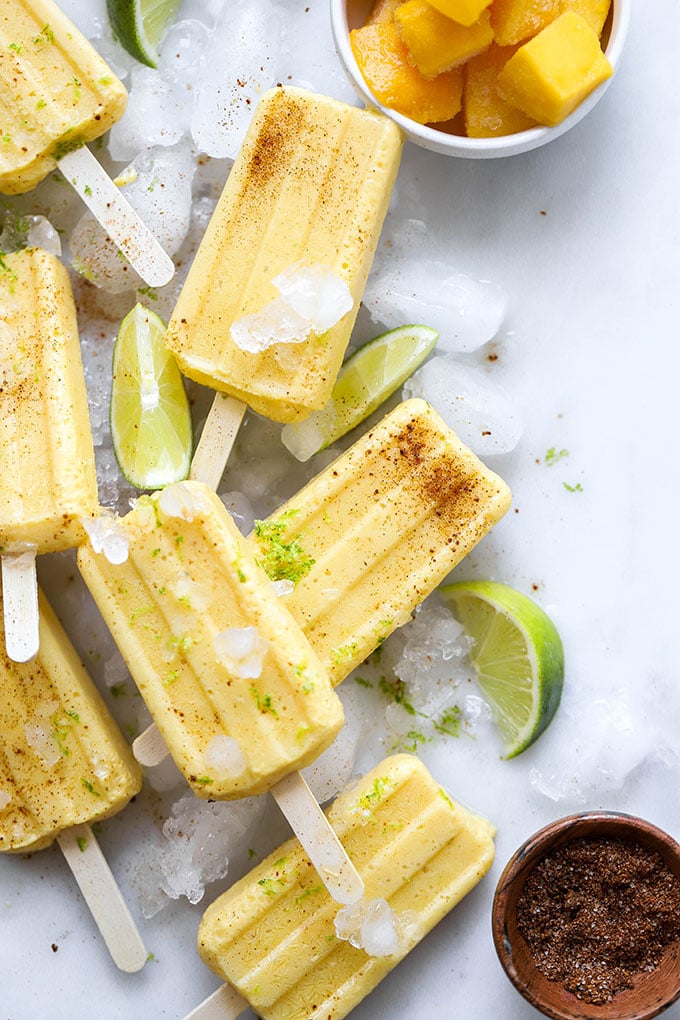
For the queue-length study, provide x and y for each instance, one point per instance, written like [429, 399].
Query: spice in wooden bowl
[586, 918]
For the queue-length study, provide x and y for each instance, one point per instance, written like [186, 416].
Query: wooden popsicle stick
[217, 439]
[20, 605]
[117, 217]
[102, 895]
[223, 1004]
[317, 836]
[149, 747]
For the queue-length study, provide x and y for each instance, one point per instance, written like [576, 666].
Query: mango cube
[513, 21]
[487, 114]
[382, 12]
[437, 43]
[465, 12]
[552, 73]
[593, 11]
[384, 63]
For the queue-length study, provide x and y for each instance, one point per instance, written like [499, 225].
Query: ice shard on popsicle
[47, 472]
[273, 934]
[63, 760]
[234, 687]
[56, 92]
[300, 215]
[371, 536]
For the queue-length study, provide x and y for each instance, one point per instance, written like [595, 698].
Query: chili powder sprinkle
[596, 911]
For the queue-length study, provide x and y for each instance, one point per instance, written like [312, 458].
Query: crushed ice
[181, 501]
[224, 757]
[312, 299]
[480, 412]
[199, 838]
[373, 926]
[242, 651]
[40, 734]
[107, 536]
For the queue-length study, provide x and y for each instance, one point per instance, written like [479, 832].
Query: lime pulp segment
[150, 416]
[140, 25]
[517, 654]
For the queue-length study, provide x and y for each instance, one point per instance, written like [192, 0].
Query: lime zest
[281, 560]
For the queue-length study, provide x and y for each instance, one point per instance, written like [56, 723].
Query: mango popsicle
[233, 685]
[274, 936]
[47, 472]
[63, 765]
[373, 535]
[370, 537]
[237, 693]
[310, 188]
[57, 94]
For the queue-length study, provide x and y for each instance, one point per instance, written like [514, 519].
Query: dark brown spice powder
[597, 911]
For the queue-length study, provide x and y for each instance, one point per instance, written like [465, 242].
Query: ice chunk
[370, 925]
[283, 587]
[41, 234]
[316, 293]
[199, 839]
[224, 757]
[178, 500]
[5, 799]
[466, 312]
[312, 300]
[107, 536]
[242, 651]
[191, 593]
[152, 117]
[480, 412]
[239, 64]
[240, 508]
[41, 733]
[276, 323]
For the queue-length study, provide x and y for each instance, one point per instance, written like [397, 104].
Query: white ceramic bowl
[348, 14]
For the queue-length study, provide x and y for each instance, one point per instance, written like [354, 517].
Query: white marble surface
[583, 235]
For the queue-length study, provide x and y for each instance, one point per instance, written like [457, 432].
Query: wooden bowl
[652, 991]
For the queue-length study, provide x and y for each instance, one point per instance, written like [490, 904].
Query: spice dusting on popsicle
[278, 938]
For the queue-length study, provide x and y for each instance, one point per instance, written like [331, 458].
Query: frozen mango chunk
[552, 73]
[593, 11]
[437, 43]
[465, 12]
[513, 21]
[382, 12]
[383, 61]
[487, 114]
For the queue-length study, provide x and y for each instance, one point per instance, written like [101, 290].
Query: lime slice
[517, 654]
[150, 416]
[140, 25]
[367, 378]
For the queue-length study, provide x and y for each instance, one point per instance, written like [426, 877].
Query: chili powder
[596, 911]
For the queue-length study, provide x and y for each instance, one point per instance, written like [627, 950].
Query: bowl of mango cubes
[481, 78]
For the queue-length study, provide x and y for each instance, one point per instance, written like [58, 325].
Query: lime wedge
[150, 416]
[140, 25]
[517, 654]
[367, 378]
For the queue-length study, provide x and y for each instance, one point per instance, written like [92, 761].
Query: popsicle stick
[117, 217]
[20, 606]
[317, 836]
[149, 748]
[102, 895]
[224, 1004]
[217, 439]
